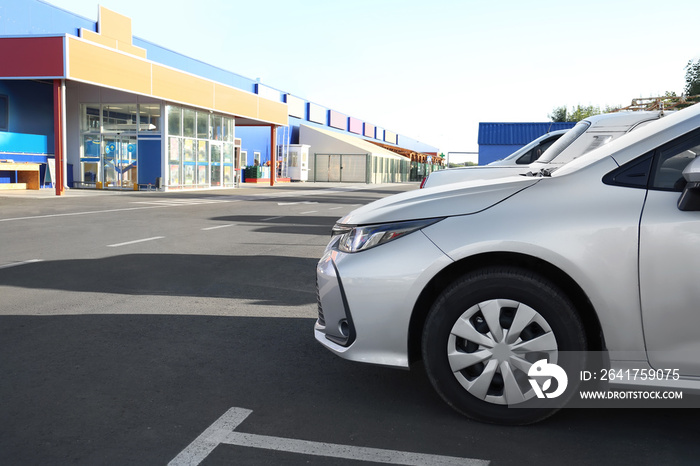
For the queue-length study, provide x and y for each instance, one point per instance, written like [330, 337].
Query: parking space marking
[71, 214]
[217, 227]
[309, 212]
[16, 264]
[222, 432]
[182, 202]
[134, 242]
[271, 218]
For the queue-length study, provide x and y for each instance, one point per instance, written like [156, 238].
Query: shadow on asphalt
[295, 225]
[111, 389]
[255, 278]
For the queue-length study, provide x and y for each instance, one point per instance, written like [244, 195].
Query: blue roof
[516, 133]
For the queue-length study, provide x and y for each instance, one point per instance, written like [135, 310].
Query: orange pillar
[273, 155]
[58, 135]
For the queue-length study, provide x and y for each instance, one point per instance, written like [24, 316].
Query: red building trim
[31, 57]
[58, 134]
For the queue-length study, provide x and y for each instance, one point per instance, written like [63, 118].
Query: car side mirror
[690, 199]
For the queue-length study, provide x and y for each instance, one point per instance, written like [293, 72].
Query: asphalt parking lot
[156, 328]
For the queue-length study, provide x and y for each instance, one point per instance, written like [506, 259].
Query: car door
[669, 255]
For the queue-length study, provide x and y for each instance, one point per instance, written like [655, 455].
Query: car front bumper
[366, 299]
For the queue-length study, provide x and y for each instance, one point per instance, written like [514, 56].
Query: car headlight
[361, 238]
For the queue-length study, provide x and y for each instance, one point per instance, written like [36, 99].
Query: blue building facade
[173, 119]
[499, 140]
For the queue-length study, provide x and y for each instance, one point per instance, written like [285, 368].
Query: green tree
[692, 77]
[578, 113]
[558, 115]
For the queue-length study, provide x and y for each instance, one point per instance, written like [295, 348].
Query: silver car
[588, 134]
[483, 279]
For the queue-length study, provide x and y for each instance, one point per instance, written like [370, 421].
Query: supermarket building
[94, 106]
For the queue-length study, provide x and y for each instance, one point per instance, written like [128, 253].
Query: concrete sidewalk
[244, 189]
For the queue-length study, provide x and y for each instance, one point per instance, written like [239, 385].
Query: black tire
[505, 292]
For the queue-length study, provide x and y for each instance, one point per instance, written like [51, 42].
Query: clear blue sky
[432, 70]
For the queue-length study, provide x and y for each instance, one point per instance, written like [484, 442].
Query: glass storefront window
[90, 158]
[189, 174]
[188, 123]
[215, 153]
[149, 117]
[215, 164]
[174, 174]
[216, 175]
[217, 129]
[195, 155]
[228, 153]
[202, 172]
[91, 118]
[119, 117]
[174, 121]
[202, 155]
[189, 150]
[174, 149]
[229, 127]
[202, 125]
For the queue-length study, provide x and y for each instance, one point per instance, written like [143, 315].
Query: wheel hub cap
[492, 346]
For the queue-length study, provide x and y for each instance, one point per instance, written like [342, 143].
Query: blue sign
[110, 148]
[131, 148]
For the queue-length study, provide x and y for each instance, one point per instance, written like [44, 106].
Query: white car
[530, 152]
[587, 135]
[487, 281]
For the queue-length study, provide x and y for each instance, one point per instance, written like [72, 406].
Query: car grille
[321, 319]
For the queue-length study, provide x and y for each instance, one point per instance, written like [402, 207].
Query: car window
[668, 169]
[535, 153]
[564, 141]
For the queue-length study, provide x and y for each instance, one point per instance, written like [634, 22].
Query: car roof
[625, 118]
[648, 137]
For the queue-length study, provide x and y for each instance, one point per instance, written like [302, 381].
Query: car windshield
[521, 151]
[564, 141]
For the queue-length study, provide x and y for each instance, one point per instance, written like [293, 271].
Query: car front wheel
[489, 332]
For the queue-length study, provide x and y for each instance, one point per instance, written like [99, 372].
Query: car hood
[441, 201]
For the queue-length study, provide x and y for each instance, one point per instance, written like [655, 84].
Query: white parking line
[270, 218]
[222, 432]
[217, 227]
[296, 203]
[181, 202]
[134, 242]
[16, 264]
[309, 212]
[71, 214]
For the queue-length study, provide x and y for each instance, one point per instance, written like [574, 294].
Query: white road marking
[270, 218]
[181, 202]
[309, 212]
[335, 208]
[222, 431]
[76, 213]
[296, 203]
[134, 242]
[217, 227]
[16, 264]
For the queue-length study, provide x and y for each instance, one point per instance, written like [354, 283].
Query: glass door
[215, 164]
[119, 160]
